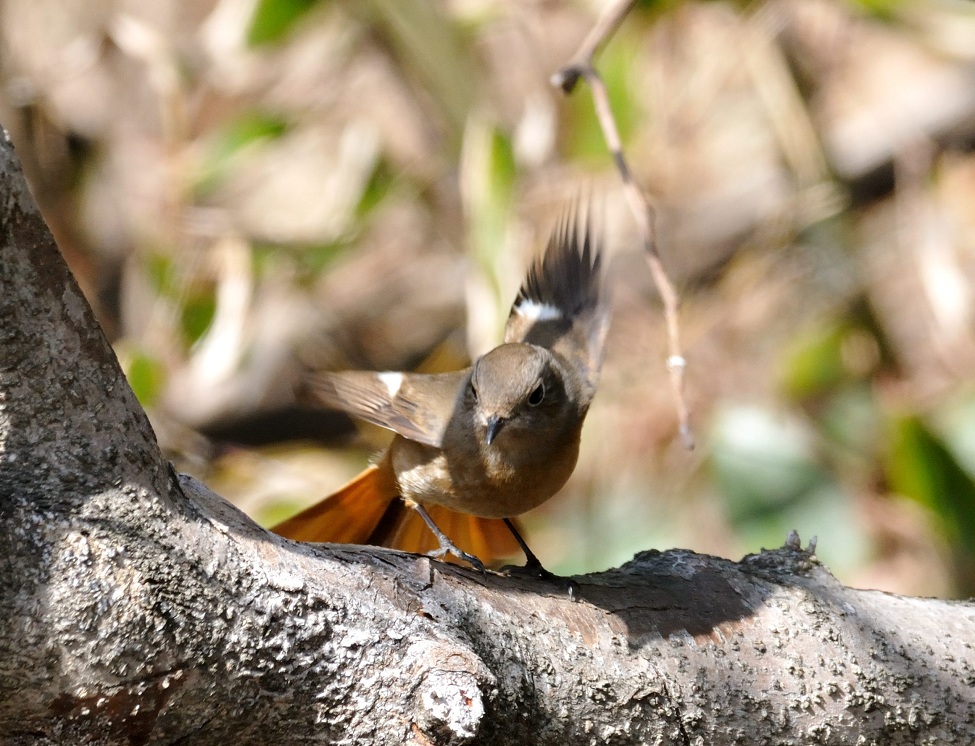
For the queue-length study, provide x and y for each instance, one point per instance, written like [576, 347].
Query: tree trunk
[138, 607]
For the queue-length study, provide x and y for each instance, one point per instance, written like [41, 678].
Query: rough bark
[136, 606]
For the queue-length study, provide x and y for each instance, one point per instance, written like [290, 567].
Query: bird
[476, 447]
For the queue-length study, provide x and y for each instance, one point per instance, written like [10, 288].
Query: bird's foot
[534, 569]
[449, 547]
[446, 545]
[531, 569]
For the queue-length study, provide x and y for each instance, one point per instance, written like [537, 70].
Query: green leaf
[493, 214]
[197, 314]
[381, 182]
[249, 130]
[921, 466]
[274, 512]
[955, 420]
[146, 376]
[884, 10]
[835, 353]
[814, 362]
[309, 261]
[253, 126]
[273, 19]
[160, 271]
[314, 260]
[488, 175]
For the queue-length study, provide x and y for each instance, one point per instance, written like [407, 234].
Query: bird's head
[519, 388]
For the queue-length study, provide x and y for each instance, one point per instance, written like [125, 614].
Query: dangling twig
[581, 66]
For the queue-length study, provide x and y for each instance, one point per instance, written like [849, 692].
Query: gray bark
[138, 607]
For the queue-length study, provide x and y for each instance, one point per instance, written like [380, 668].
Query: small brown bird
[491, 441]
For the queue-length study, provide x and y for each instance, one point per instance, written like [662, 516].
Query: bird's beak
[494, 425]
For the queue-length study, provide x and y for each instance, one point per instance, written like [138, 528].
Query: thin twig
[581, 66]
[606, 25]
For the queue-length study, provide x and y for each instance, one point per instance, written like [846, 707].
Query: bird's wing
[415, 405]
[561, 305]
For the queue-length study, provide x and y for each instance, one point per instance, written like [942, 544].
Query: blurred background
[251, 189]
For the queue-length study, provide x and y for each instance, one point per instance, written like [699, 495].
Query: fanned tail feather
[349, 516]
[367, 511]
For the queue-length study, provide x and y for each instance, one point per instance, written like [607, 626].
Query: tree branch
[137, 606]
[581, 66]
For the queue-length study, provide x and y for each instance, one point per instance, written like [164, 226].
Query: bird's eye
[473, 390]
[536, 396]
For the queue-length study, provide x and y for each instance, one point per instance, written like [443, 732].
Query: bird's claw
[535, 570]
[460, 554]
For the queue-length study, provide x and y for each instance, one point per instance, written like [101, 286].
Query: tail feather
[349, 516]
[384, 534]
[366, 511]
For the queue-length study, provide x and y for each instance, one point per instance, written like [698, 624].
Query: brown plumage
[491, 441]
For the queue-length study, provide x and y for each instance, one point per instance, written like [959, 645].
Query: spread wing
[415, 405]
[561, 305]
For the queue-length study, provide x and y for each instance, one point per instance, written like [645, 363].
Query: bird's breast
[507, 478]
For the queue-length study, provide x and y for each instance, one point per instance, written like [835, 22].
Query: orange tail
[349, 516]
[488, 539]
[366, 511]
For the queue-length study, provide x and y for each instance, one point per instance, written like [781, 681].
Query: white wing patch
[535, 311]
[392, 382]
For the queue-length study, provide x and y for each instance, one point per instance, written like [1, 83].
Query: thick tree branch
[136, 606]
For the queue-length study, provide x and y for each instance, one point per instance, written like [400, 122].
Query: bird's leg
[533, 566]
[446, 545]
